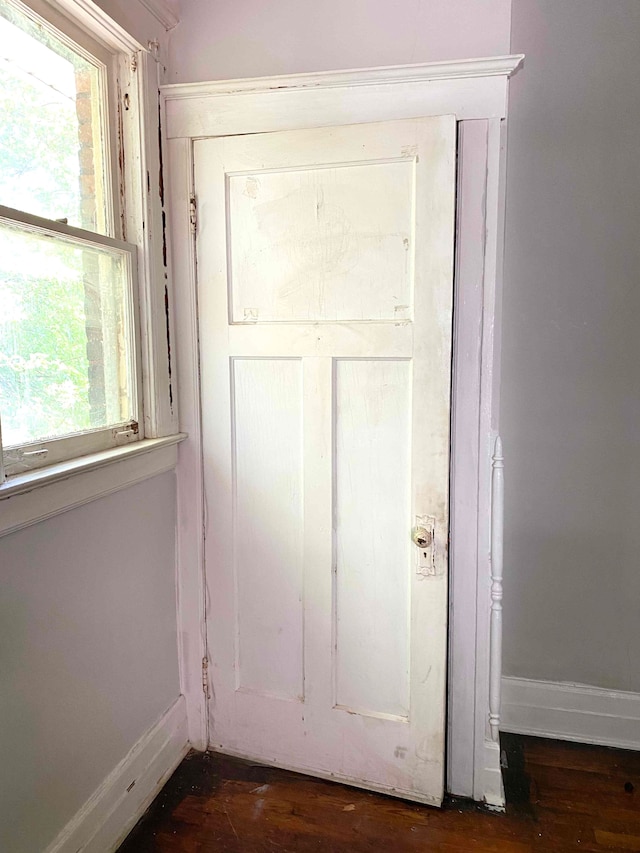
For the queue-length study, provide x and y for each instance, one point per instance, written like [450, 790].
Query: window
[69, 343]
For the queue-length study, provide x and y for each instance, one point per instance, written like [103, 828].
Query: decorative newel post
[497, 531]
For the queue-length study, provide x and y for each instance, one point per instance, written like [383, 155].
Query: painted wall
[88, 652]
[571, 348]
[136, 20]
[250, 38]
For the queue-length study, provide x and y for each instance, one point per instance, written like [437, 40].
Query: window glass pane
[66, 339]
[52, 145]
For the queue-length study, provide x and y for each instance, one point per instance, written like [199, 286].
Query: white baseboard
[574, 712]
[112, 811]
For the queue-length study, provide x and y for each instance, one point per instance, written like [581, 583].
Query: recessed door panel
[267, 485]
[372, 502]
[321, 244]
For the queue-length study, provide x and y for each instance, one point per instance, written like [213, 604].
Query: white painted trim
[144, 224]
[52, 228]
[495, 66]
[30, 498]
[489, 407]
[191, 584]
[96, 21]
[473, 760]
[472, 89]
[465, 425]
[575, 712]
[108, 816]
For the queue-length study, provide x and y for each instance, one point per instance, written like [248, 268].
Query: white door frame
[476, 92]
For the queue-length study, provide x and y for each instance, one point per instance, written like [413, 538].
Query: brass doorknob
[421, 537]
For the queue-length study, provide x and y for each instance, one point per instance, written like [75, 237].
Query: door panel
[321, 244]
[372, 432]
[267, 535]
[325, 285]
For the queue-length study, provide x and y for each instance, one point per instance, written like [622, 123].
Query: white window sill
[29, 498]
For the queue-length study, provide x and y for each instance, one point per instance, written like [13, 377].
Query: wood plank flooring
[561, 797]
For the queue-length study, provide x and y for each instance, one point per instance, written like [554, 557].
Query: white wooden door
[325, 266]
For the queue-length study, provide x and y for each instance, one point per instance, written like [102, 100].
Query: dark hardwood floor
[560, 796]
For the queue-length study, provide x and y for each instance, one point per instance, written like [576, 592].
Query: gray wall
[88, 653]
[246, 38]
[571, 347]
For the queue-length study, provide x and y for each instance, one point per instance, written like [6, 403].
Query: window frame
[133, 72]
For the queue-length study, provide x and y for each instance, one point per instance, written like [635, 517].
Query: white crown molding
[575, 712]
[496, 66]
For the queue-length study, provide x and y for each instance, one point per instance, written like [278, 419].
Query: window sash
[80, 41]
[33, 455]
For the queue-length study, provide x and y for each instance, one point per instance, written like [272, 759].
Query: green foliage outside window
[44, 364]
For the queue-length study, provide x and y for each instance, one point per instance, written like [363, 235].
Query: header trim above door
[470, 88]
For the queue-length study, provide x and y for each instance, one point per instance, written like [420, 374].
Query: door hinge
[193, 220]
[205, 677]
